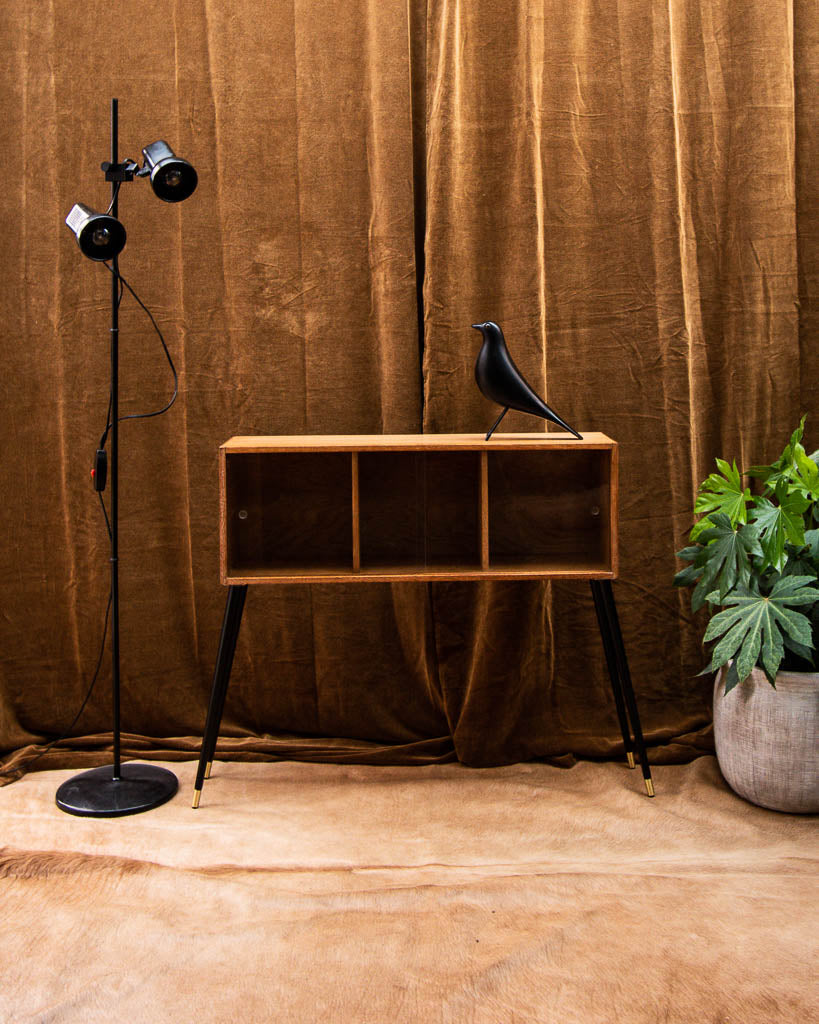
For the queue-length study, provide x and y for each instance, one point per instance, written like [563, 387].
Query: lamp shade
[172, 178]
[99, 236]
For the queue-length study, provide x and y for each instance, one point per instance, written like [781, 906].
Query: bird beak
[477, 326]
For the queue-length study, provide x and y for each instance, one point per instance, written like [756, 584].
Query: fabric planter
[766, 739]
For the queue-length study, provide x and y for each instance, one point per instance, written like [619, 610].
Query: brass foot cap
[208, 768]
[649, 787]
[630, 759]
[197, 793]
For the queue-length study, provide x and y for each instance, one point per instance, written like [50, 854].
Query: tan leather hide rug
[318, 893]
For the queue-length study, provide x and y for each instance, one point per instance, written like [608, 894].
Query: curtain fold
[625, 187]
[613, 184]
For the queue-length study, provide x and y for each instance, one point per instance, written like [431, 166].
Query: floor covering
[363, 895]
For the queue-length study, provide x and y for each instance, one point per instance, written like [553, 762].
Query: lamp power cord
[20, 770]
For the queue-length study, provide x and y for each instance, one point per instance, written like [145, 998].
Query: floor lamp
[119, 789]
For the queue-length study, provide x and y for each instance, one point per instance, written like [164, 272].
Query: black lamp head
[99, 236]
[172, 178]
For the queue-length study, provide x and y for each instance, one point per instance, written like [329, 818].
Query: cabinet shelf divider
[484, 512]
[356, 515]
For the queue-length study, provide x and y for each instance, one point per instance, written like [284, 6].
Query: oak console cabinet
[423, 507]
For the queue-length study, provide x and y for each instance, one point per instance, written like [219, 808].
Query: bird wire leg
[497, 421]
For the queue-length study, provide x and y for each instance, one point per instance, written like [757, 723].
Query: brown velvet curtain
[625, 186]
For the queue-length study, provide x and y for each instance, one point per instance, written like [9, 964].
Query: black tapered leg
[614, 675]
[234, 606]
[620, 676]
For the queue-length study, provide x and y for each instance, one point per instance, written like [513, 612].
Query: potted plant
[754, 563]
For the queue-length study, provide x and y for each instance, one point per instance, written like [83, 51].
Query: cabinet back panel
[288, 509]
[419, 508]
[549, 507]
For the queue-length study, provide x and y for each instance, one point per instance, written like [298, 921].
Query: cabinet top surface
[414, 442]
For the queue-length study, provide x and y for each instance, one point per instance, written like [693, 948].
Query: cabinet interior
[426, 514]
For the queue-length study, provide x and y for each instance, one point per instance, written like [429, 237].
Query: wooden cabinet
[418, 506]
[398, 507]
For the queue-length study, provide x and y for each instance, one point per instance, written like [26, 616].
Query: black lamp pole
[116, 790]
[114, 475]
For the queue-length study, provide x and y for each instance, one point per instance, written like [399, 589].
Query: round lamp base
[97, 794]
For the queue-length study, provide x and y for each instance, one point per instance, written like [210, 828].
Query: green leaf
[764, 473]
[794, 624]
[784, 469]
[749, 651]
[798, 561]
[771, 654]
[796, 436]
[800, 649]
[806, 476]
[724, 558]
[722, 622]
[722, 493]
[730, 643]
[753, 626]
[704, 585]
[731, 677]
[777, 523]
[797, 589]
[687, 577]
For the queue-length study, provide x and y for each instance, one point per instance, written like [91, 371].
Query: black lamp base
[97, 794]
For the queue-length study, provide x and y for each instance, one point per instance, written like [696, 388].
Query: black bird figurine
[502, 382]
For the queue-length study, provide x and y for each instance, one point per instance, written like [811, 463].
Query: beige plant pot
[766, 739]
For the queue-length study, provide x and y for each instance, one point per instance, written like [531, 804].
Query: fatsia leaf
[796, 437]
[777, 523]
[799, 561]
[722, 492]
[784, 469]
[720, 623]
[724, 558]
[797, 589]
[704, 585]
[771, 654]
[806, 476]
[688, 576]
[805, 653]
[749, 651]
[765, 473]
[731, 677]
[753, 626]
[730, 643]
